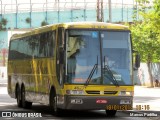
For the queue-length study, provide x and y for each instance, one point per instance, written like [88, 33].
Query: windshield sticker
[118, 77]
[102, 35]
[79, 80]
[94, 34]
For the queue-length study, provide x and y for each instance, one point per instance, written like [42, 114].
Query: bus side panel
[40, 80]
[13, 77]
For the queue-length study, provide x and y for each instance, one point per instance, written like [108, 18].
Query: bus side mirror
[137, 61]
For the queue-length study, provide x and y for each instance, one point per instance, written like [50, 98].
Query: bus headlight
[126, 93]
[75, 92]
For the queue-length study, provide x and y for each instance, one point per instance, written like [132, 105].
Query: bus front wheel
[111, 113]
[25, 104]
[53, 103]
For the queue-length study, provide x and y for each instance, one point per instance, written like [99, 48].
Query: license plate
[125, 102]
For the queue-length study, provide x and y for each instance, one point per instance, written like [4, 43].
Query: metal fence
[55, 12]
[54, 6]
[124, 11]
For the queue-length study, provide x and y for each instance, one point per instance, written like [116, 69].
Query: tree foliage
[3, 24]
[28, 20]
[44, 23]
[146, 33]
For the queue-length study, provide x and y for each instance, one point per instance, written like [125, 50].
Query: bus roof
[85, 25]
[100, 25]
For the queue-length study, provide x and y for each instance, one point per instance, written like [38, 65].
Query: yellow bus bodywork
[39, 75]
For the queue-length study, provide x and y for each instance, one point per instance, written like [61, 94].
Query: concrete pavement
[147, 96]
[3, 82]
[143, 96]
[3, 91]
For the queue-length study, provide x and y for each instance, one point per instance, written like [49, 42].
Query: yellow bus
[73, 66]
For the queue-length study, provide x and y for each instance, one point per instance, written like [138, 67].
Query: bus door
[60, 57]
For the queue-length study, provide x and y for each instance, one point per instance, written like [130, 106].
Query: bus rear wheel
[18, 95]
[111, 113]
[25, 104]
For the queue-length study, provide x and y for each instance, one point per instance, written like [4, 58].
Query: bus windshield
[89, 53]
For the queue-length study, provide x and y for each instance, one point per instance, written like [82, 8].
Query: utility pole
[31, 13]
[46, 11]
[16, 14]
[100, 17]
[1, 8]
[122, 10]
[57, 1]
[110, 11]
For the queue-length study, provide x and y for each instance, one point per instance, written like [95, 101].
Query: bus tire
[53, 103]
[18, 96]
[111, 113]
[25, 104]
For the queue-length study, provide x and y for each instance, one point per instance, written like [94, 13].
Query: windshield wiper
[110, 74]
[92, 72]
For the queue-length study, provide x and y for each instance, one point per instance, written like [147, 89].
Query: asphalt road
[9, 104]
[75, 115]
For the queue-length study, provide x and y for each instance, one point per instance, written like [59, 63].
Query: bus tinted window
[13, 49]
[46, 44]
[36, 46]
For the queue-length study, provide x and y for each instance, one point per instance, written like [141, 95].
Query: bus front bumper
[97, 103]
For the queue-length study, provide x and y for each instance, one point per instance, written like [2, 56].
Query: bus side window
[13, 49]
[61, 45]
[42, 45]
[51, 43]
[46, 44]
[30, 45]
[26, 48]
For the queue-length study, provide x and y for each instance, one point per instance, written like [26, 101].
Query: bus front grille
[93, 92]
[110, 92]
[101, 92]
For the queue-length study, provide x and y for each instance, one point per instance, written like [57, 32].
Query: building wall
[18, 20]
[3, 39]
[141, 76]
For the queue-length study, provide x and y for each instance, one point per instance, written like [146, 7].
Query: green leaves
[3, 24]
[146, 33]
